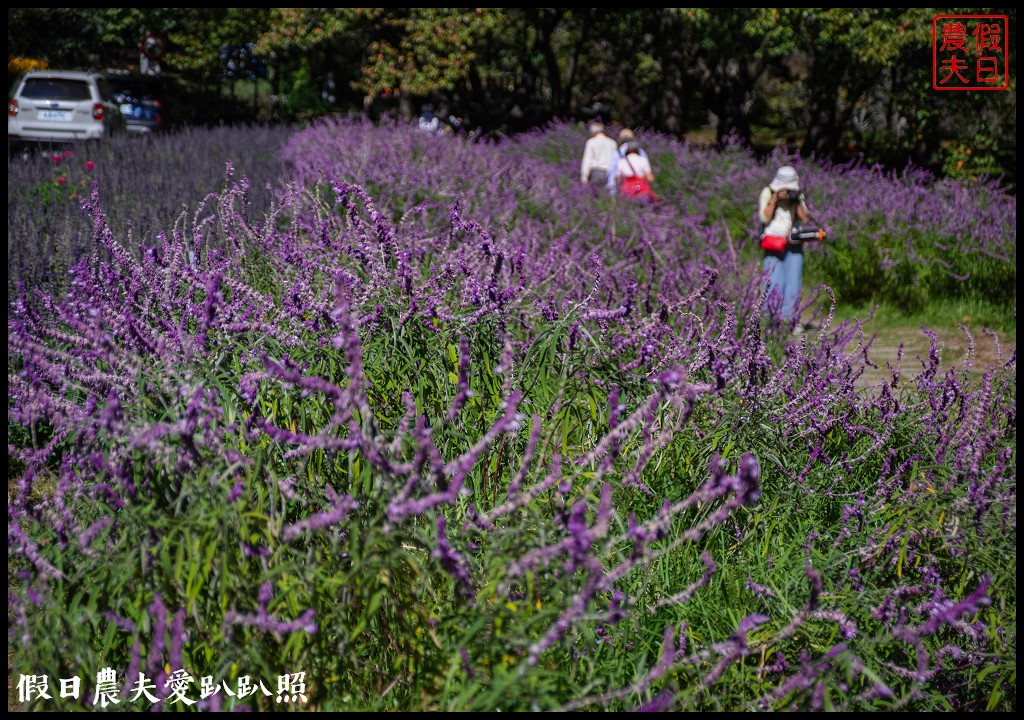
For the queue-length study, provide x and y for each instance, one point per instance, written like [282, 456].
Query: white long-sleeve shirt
[599, 153]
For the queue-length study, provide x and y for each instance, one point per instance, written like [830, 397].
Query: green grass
[939, 316]
[950, 313]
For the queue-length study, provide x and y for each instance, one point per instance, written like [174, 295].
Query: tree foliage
[817, 74]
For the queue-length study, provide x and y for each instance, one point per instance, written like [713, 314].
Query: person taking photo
[780, 206]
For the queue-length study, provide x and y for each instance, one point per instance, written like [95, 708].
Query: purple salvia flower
[452, 562]
[816, 586]
[122, 623]
[134, 666]
[467, 666]
[950, 612]
[760, 592]
[527, 459]
[262, 620]
[846, 627]
[342, 506]
[16, 538]
[662, 702]
[689, 592]
[154, 663]
[178, 638]
[464, 392]
[669, 655]
[92, 532]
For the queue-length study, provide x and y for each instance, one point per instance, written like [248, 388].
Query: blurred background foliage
[837, 83]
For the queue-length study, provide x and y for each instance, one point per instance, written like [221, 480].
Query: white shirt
[782, 223]
[634, 164]
[598, 154]
[429, 124]
[614, 176]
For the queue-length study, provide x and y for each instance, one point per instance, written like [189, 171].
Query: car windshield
[56, 89]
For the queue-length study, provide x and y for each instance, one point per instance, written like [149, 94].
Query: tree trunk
[405, 109]
[727, 88]
[827, 70]
[669, 107]
[544, 25]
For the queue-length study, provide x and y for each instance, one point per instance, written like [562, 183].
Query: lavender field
[434, 426]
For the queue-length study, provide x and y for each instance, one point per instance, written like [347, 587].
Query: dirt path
[953, 350]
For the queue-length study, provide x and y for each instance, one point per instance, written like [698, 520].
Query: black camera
[793, 194]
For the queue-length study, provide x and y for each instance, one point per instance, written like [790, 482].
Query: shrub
[432, 461]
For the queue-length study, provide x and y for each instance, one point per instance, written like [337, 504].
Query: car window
[55, 89]
[136, 88]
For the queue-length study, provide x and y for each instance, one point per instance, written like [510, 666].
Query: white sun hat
[785, 179]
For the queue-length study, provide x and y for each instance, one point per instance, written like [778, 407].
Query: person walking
[780, 206]
[428, 122]
[599, 156]
[626, 136]
[635, 175]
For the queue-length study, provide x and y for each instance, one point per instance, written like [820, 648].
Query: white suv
[62, 106]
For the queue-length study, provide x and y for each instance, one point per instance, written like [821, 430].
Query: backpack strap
[626, 158]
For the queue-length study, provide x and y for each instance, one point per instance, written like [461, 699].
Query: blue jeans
[783, 273]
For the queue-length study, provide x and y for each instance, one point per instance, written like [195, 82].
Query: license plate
[55, 114]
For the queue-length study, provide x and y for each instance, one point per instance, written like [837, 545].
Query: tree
[67, 38]
[410, 52]
[726, 56]
[831, 71]
[842, 54]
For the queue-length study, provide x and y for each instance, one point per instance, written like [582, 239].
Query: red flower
[89, 164]
[67, 153]
[61, 180]
[57, 158]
